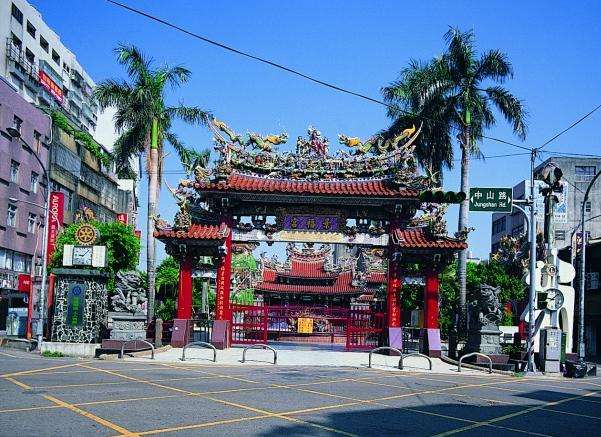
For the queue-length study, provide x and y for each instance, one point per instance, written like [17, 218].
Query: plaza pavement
[74, 397]
[299, 355]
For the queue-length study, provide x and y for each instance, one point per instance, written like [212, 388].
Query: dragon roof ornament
[376, 157]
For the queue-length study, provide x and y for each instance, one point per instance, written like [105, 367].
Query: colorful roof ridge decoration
[244, 182]
[342, 285]
[378, 277]
[420, 238]
[377, 166]
[195, 232]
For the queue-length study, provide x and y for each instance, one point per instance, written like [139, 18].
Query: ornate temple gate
[254, 194]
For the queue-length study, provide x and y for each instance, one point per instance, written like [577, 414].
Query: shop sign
[55, 221]
[305, 325]
[76, 300]
[50, 86]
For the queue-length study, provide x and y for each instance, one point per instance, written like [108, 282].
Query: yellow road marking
[233, 404]
[203, 425]
[91, 416]
[8, 355]
[19, 383]
[45, 369]
[518, 413]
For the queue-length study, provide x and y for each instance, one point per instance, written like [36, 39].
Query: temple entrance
[315, 202]
[326, 294]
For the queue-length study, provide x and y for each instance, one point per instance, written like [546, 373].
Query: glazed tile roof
[378, 277]
[196, 232]
[343, 284]
[418, 238]
[355, 187]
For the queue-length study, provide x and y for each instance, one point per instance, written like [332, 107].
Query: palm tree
[455, 94]
[143, 121]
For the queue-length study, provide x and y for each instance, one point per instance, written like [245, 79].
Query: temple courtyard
[64, 396]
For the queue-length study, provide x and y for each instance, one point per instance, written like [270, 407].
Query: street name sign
[487, 199]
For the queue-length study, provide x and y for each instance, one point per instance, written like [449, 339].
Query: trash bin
[575, 369]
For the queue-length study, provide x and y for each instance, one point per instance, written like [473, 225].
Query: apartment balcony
[22, 67]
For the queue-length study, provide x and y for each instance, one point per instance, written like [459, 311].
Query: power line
[559, 153]
[571, 126]
[288, 69]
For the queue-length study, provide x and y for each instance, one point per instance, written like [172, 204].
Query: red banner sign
[224, 272]
[24, 283]
[123, 218]
[51, 86]
[56, 215]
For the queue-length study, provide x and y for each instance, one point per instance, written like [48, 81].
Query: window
[517, 231]
[30, 29]
[16, 41]
[31, 221]
[55, 57]
[37, 139]
[14, 171]
[17, 14]
[20, 263]
[33, 185]
[44, 44]
[17, 122]
[29, 56]
[498, 225]
[11, 217]
[585, 173]
[560, 235]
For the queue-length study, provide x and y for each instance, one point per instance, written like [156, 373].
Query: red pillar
[431, 290]
[184, 296]
[394, 283]
[224, 273]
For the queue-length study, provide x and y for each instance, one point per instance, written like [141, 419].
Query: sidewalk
[299, 356]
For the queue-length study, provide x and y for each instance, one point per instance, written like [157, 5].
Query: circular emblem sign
[86, 234]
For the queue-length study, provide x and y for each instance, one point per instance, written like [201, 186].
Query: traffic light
[439, 196]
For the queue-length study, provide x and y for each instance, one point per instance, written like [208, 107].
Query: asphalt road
[68, 397]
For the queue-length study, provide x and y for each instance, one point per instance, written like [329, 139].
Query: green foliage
[52, 354]
[165, 309]
[244, 261]
[61, 121]
[244, 297]
[492, 273]
[122, 246]
[167, 277]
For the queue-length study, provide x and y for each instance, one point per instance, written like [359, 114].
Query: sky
[554, 47]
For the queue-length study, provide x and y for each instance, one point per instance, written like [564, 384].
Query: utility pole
[532, 293]
[581, 346]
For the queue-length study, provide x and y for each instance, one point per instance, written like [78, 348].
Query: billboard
[56, 215]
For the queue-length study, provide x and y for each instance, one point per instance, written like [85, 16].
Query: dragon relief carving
[433, 219]
[377, 144]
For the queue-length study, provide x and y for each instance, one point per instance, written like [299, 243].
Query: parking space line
[27, 372]
[19, 383]
[518, 413]
[569, 413]
[8, 355]
[97, 419]
[233, 404]
[203, 425]
[92, 384]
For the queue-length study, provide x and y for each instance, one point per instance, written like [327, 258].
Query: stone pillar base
[181, 332]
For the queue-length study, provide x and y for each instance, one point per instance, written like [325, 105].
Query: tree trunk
[153, 189]
[463, 224]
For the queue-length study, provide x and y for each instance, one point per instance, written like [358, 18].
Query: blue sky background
[555, 48]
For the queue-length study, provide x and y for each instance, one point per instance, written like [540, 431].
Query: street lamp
[16, 134]
[581, 348]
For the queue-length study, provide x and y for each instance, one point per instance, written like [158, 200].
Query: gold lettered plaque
[305, 325]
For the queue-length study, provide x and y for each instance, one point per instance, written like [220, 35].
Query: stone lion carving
[130, 295]
[486, 308]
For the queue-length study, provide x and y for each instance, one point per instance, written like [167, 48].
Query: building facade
[39, 66]
[22, 189]
[577, 174]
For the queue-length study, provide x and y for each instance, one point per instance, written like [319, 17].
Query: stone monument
[485, 315]
[128, 318]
